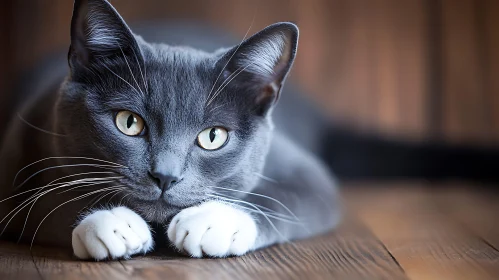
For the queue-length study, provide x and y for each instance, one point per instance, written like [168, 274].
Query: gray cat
[171, 136]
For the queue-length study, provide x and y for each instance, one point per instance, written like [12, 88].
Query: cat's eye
[129, 123]
[212, 138]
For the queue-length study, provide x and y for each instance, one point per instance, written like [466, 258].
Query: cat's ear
[98, 31]
[264, 61]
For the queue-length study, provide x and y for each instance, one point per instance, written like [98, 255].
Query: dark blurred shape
[353, 155]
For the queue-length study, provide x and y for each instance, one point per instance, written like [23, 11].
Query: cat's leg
[213, 229]
[111, 234]
[301, 202]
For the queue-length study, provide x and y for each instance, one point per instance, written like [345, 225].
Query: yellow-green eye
[212, 138]
[129, 123]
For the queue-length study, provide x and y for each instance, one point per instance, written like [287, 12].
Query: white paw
[213, 229]
[115, 233]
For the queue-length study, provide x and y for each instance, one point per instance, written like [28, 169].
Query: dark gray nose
[165, 180]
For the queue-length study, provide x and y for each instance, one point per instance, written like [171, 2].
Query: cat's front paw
[214, 229]
[116, 233]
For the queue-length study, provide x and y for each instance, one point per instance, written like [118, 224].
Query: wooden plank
[53, 263]
[16, 262]
[351, 252]
[477, 211]
[426, 243]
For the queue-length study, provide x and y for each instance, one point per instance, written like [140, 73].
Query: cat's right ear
[98, 31]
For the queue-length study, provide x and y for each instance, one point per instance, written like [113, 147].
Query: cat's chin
[154, 210]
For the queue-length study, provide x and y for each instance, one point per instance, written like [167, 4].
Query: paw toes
[241, 244]
[216, 242]
[179, 238]
[79, 249]
[192, 242]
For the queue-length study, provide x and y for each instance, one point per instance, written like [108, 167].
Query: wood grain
[477, 212]
[427, 243]
[405, 232]
[16, 262]
[351, 252]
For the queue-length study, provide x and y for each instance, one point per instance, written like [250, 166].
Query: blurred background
[413, 70]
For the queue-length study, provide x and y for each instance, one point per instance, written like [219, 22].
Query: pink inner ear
[268, 93]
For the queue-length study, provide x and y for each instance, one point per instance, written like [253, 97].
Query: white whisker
[260, 195]
[64, 203]
[267, 214]
[37, 128]
[230, 58]
[271, 211]
[48, 158]
[138, 92]
[106, 179]
[129, 68]
[146, 88]
[222, 88]
[261, 212]
[52, 184]
[261, 176]
[33, 199]
[125, 196]
[63, 166]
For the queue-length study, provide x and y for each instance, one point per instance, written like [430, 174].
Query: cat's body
[165, 172]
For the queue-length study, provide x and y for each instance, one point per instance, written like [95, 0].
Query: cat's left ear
[97, 32]
[264, 61]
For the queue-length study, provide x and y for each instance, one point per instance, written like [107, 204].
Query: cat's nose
[165, 180]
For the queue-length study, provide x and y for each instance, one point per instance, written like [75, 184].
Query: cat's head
[180, 120]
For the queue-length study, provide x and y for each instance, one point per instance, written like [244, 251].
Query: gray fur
[170, 88]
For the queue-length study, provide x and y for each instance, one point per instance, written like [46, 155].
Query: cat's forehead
[179, 81]
[178, 72]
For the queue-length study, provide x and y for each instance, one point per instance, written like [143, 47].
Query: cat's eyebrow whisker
[210, 100]
[129, 68]
[38, 128]
[230, 58]
[217, 107]
[224, 86]
[62, 157]
[64, 203]
[146, 88]
[64, 166]
[138, 92]
[260, 211]
[260, 195]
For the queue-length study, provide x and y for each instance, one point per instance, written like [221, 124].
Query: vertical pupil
[130, 121]
[213, 134]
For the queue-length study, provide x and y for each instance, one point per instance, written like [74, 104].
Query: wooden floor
[391, 231]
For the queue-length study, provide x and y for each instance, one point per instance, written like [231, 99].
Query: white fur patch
[214, 229]
[116, 233]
